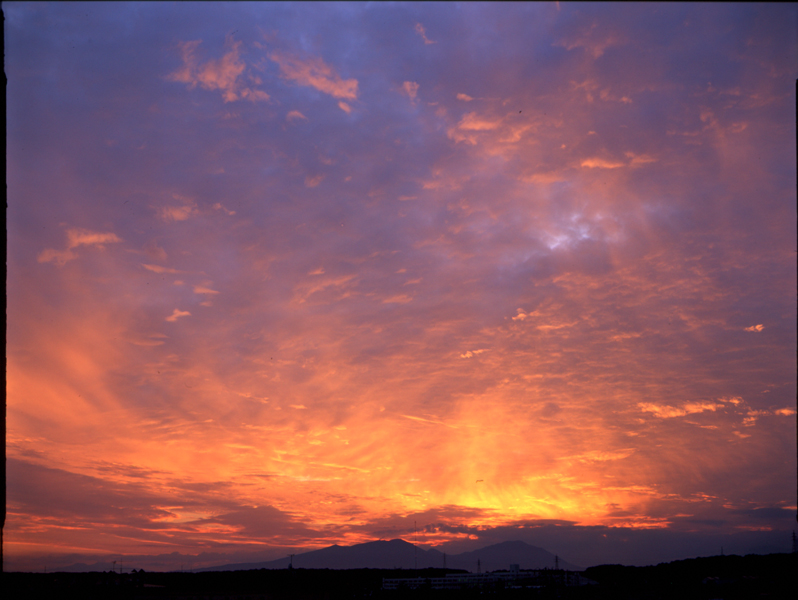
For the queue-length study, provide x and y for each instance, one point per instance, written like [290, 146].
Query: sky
[282, 276]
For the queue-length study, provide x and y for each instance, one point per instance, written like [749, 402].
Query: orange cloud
[159, 269]
[423, 33]
[176, 314]
[600, 163]
[411, 89]
[220, 206]
[314, 72]
[177, 213]
[75, 239]
[201, 289]
[398, 299]
[314, 181]
[294, 115]
[224, 74]
[474, 122]
[593, 39]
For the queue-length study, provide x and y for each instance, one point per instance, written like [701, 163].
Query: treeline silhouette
[770, 576]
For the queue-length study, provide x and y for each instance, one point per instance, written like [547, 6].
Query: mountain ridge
[399, 554]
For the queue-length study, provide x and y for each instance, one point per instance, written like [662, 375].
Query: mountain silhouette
[399, 554]
[501, 556]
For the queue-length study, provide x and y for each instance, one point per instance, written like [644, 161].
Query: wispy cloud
[177, 213]
[592, 39]
[600, 163]
[176, 314]
[75, 239]
[224, 74]
[159, 269]
[314, 72]
[420, 30]
[202, 289]
[411, 89]
[295, 115]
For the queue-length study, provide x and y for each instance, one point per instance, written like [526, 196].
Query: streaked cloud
[600, 163]
[202, 289]
[159, 269]
[398, 299]
[666, 412]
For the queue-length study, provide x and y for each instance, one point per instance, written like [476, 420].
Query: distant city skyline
[283, 276]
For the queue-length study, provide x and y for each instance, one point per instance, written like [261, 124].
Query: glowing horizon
[283, 278]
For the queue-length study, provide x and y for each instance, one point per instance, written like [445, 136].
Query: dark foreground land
[719, 577]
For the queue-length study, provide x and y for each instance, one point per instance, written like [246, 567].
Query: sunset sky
[282, 276]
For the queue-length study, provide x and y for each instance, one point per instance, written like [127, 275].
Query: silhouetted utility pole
[291, 564]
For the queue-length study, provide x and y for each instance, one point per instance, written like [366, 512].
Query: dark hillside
[727, 577]
[719, 577]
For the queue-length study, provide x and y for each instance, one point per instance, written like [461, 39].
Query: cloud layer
[329, 272]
